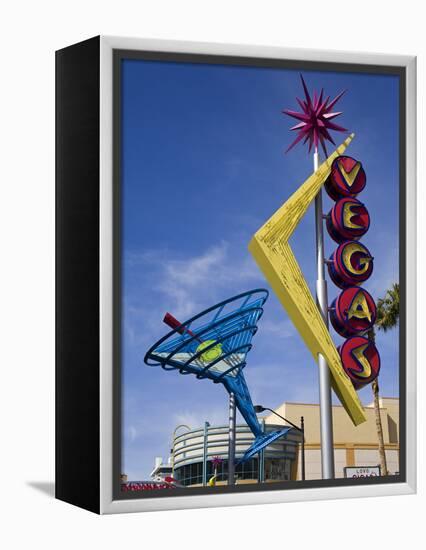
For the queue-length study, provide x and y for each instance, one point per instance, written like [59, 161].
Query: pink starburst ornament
[217, 461]
[315, 119]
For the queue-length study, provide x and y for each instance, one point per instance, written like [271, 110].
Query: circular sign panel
[350, 264]
[347, 178]
[348, 220]
[360, 360]
[353, 311]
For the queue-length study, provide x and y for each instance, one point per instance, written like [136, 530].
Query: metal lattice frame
[227, 330]
[231, 325]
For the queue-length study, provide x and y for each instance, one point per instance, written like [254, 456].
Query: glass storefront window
[276, 469]
[192, 474]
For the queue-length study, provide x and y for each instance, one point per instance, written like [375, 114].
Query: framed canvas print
[235, 275]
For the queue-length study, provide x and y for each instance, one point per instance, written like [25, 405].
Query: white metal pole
[261, 459]
[231, 442]
[205, 437]
[326, 416]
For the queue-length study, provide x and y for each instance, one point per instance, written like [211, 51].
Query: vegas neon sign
[353, 312]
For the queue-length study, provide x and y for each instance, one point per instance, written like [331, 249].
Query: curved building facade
[194, 450]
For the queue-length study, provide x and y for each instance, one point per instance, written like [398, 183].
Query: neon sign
[347, 178]
[348, 220]
[146, 485]
[350, 264]
[353, 312]
[361, 360]
[272, 252]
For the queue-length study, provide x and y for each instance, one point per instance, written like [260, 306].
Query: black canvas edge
[394, 70]
[77, 420]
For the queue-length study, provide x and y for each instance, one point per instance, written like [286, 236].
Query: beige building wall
[353, 445]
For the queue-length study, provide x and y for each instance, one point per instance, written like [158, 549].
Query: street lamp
[205, 437]
[301, 429]
[173, 445]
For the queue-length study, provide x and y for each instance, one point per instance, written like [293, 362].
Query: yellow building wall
[353, 445]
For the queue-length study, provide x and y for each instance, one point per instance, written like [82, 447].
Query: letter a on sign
[272, 252]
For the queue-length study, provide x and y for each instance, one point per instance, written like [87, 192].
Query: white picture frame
[108, 504]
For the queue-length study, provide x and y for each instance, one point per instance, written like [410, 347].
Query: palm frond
[388, 309]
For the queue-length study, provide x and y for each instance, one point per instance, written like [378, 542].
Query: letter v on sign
[350, 176]
[275, 258]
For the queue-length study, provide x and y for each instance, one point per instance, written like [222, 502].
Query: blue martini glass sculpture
[214, 344]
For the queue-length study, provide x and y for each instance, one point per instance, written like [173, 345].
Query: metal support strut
[232, 436]
[326, 417]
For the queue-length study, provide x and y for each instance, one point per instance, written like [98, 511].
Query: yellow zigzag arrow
[273, 254]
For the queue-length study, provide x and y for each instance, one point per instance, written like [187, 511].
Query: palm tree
[386, 319]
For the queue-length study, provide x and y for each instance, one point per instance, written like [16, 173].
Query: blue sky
[203, 167]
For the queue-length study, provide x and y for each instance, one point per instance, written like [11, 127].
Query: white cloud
[195, 271]
[196, 418]
[183, 286]
[131, 433]
[187, 282]
[278, 329]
